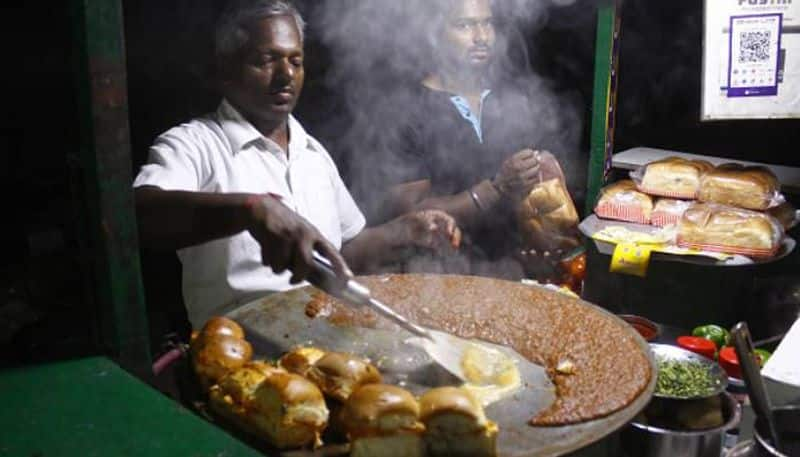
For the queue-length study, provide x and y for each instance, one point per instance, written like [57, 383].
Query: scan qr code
[754, 46]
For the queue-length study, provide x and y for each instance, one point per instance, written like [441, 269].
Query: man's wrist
[487, 195]
[255, 208]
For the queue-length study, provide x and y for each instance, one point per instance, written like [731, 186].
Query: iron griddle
[277, 323]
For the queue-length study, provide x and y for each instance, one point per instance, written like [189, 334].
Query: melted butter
[491, 374]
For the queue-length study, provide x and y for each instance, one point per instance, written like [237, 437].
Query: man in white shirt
[245, 195]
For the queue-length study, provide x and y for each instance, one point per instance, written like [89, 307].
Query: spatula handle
[753, 380]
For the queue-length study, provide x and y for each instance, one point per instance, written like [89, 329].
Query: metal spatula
[445, 349]
[753, 380]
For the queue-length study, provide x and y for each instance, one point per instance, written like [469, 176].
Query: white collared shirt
[224, 153]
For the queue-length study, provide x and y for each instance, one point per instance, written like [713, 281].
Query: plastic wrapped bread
[547, 217]
[720, 228]
[672, 177]
[732, 184]
[786, 214]
[668, 211]
[623, 201]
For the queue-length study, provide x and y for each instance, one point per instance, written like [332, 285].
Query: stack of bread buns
[283, 408]
[729, 208]
[310, 391]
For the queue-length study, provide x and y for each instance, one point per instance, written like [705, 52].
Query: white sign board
[751, 59]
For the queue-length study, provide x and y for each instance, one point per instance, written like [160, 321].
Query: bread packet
[786, 214]
[668, 211]
[673, 177]
[547, 217]
[720, 228]
[755, 188]
[622, 201]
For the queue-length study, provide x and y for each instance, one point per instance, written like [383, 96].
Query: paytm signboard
[751, 59]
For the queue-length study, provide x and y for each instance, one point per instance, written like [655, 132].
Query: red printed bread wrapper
[622, 212]
[755, 253]
[668, 211]
[621, 201]
[720, 228]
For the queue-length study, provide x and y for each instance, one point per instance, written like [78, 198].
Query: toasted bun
[222, 326]
[380, 409]
[289, 410]
[242, 383]
[338, 374]
[213, 356]
[299, 360]
[736, 185]
[455, 424]
[450, 400]
[293, 388]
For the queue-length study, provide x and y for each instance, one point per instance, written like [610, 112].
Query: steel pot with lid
[647, 438]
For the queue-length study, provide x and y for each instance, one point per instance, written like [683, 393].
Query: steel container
[642, 440]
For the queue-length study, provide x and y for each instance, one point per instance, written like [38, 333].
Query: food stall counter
[92, 407]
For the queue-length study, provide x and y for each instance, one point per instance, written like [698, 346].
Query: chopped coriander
[684, 379]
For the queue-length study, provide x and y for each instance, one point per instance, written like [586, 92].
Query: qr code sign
[754, 46]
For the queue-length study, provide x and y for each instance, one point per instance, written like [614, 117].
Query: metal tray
[594, 224]
[278, 322]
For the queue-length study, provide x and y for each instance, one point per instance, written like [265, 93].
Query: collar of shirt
[462, 105]
[241, 133]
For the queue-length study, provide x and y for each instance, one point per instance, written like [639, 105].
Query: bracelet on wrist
[475, 199]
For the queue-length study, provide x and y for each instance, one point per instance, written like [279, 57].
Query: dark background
[45, 280]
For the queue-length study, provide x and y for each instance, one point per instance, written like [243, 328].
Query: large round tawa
[542, 325]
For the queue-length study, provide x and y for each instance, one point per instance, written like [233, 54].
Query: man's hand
[518, 174]
[431, 229]
[288, 240]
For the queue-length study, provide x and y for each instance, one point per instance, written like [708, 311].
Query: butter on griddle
[491, 374]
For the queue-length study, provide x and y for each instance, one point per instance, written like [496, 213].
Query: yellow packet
[631, 258]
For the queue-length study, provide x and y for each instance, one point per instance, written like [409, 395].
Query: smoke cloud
[379, 47]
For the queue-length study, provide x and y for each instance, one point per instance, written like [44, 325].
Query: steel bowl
[669, 352]
[647, 328]
[642, 440]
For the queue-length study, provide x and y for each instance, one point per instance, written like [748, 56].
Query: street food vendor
[473, 144]
[245, 194]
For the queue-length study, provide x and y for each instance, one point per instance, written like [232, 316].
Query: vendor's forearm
[373, 246]
[171, 220]
[467, 207]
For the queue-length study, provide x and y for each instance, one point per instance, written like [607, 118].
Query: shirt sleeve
[174, 163]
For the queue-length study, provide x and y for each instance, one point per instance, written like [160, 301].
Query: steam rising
[380, 46]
